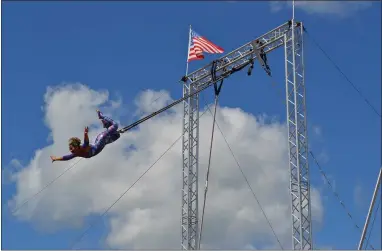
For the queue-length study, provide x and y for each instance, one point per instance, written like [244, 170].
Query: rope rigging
[246, 180]
[326, 178]
[329, 183]
[370, 212]
[343, 74]
[138, 122]
[123, 194]
[200, 89]
[336, 194]
[214, 81]
[45, 187]
[217, 92]
[274, 83]
[372, 223]
[263, 61]
[56, 178]
[262, 58]
[78, 239]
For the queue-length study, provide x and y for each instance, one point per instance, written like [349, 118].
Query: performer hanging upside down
[87, 150]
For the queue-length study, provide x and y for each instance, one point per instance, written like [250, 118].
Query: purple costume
[106, 137]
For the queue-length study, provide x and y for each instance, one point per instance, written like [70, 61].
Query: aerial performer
[87, 150]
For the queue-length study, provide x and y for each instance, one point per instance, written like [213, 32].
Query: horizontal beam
[242, 55]
[200, 89]
[226, 66]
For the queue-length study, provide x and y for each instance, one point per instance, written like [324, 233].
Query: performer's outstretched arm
[63, 158]
[86, 137]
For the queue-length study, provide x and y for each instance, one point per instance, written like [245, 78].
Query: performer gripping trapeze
[87, 150]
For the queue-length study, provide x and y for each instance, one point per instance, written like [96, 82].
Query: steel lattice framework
[297, 139]
[190, 152]
[290, 34]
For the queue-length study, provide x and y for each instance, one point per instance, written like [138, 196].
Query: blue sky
[127, 47]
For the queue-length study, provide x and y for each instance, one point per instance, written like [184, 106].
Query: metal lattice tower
[190, 152]
[290, 34]
[297, 139]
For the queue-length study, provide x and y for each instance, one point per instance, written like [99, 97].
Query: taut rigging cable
[323, 173]
[274, 83]
[78, 239]
[217, 92]
[343, 74]
[250, 187]
[56, 178]
[202, 88]
[46, 186]
[372, 223]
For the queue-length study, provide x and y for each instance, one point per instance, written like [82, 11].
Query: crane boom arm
[242, 55]
[225, 66]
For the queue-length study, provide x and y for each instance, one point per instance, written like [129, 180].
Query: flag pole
[293, 10]
[188, 48]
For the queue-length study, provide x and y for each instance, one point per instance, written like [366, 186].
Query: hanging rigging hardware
[224, 75]
[213, 74]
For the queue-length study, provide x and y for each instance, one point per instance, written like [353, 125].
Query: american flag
[198, 44]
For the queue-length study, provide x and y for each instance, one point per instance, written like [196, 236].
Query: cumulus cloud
[318, 139]
[8, 170]
[324, 248]
[317, 130]
[359, 196]
[337, 8]
[148, 216]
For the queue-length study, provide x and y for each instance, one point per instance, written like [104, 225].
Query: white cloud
[8, 170]
[149, 101]
[318, 138]
[337, 8]
[332, 188]
[148, 216]
[359, 196]
[324, 248]
[323, 157]
[317, 131]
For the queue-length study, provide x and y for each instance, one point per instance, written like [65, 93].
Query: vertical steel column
[190, 147]
[190, 152]
[297, 138]
[184, 219]
[370, 210]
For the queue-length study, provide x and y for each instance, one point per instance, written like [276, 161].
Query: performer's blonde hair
[74, 141]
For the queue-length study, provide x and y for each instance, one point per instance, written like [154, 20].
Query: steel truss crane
[290, 34]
